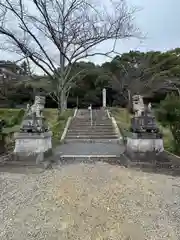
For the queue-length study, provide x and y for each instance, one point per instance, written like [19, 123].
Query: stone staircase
[101, 129]
[91, 143]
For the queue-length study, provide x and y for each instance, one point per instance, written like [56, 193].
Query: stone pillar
[104, 97]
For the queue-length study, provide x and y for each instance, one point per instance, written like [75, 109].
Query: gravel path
[89, 202]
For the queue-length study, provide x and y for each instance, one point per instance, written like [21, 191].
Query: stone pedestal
[144, 147]
[34, 146]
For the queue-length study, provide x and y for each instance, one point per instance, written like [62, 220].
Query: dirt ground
[89, 202]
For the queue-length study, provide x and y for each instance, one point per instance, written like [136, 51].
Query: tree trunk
[63, 101]
[62, 68]
[59, 107]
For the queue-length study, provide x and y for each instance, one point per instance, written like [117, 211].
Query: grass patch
[6, 113]
[57, 123]
[13, 118]
[168, 138]
[123, 118]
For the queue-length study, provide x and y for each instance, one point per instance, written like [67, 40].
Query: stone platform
[83, 148]
[90, 152]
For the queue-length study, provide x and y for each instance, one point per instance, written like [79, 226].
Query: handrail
[75, 112]
[66, 129]
[91, 118]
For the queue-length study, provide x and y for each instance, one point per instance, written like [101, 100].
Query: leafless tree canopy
[54, 34]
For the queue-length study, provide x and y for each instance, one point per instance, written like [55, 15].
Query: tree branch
[69, 28]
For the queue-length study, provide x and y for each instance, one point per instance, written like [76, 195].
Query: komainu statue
[34, 120]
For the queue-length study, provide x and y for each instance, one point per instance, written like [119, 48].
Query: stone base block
[33, 146]
[144, 145]
[148, 160]
[148, 157]
[33, 142]
[144, 150]
[33, 158]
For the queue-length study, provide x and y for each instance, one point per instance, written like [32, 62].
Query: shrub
[169, 115]
[2, 123]
[20, 115]
[16, 118]
[12, 121]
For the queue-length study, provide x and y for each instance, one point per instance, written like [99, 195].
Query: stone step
[90, 130]
[95, 115]
[100, 119]
[91, 127]
[112, 159]
[84, 147]
[89, 124]
[105, 119]
[101, 129]
[89, 120]
[89, 133]
[91, 137]
[81, 140]
[98, 131]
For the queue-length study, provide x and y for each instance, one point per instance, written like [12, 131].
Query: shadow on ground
[163, 163]
[21, 169]
[172, 169]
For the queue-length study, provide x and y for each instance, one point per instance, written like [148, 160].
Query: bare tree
[134, 74]
[140, 73]
[9, 72]
[55, 34]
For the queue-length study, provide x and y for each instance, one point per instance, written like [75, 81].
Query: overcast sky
[159, 20]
